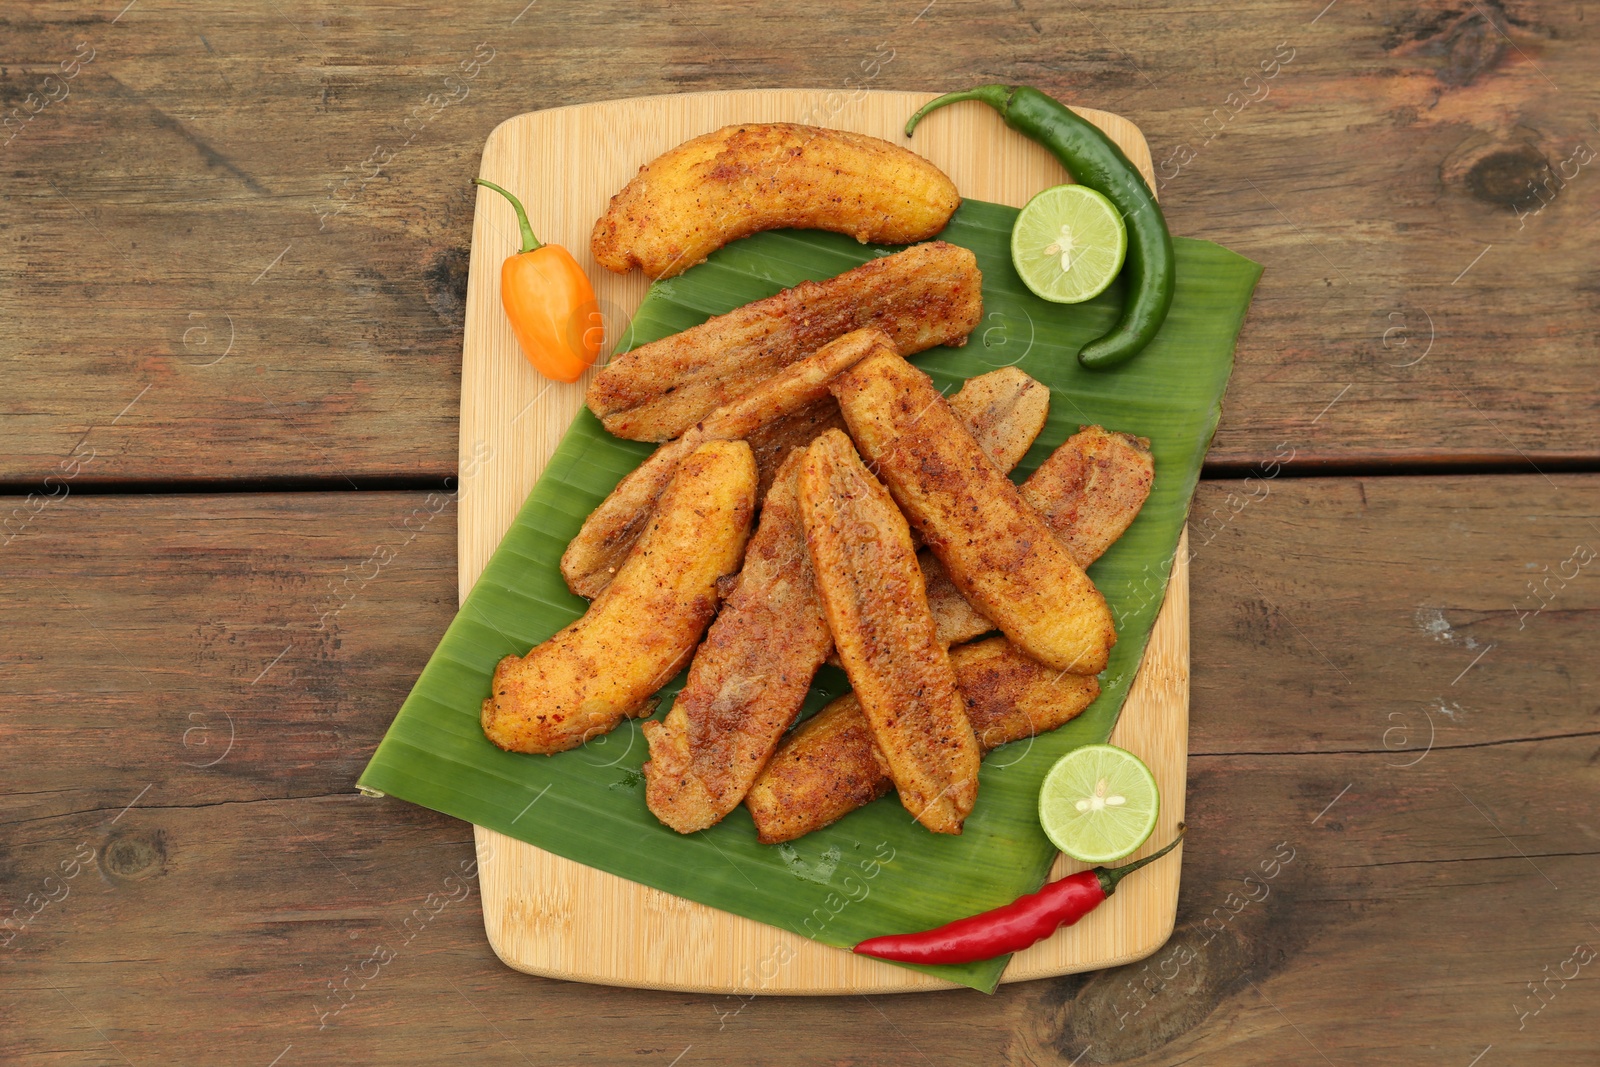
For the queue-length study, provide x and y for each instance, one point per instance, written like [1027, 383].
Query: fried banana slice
[829, 765]
[1088, 492]
[924, 296]
[1004, 411]
[748, 678]
[773, 442]
[740, 180]
[594, 555]
[1091, 488]
[994, 546]
[605, 666]
[954, 617]
[825, 769]
[873, 597]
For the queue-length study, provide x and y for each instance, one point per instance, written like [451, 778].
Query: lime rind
[1068, 244]
[1099, 803]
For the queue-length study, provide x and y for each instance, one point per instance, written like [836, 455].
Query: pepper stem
[1109, 877]
[529, 241]
[996, 96]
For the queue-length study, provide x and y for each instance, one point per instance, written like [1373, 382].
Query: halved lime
[1098, 803]
[1068, 243]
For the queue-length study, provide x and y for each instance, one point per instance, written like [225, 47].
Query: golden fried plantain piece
[1004, 410]
[643, 629]
[748, 678]
[826, 768]
[773, 441]
[994, 546]
[593, 556]
[690, 201]
[829, 765]
[954, 617]
[1010, 696]
[924, 296]
[1091, 488]
[873, 596]
[1088, 492]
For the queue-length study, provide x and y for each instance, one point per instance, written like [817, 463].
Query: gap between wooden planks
[551, 916]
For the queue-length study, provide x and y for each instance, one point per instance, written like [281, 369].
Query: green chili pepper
[1095, 160]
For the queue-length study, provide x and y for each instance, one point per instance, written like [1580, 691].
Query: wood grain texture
[144, 211]
[540, 910]
[220, 905]
[146, 208]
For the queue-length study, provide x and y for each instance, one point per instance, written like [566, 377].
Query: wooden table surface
[234, 259]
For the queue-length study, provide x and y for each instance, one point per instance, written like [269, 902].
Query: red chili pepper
[1011, 927]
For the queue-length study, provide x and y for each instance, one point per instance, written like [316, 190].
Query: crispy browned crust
[643, 628]
[748, 678]
[995, 548]
[954, 617]
[877, 609]
[828, 766]
[1005, 410]
[1010, 696]
[593, 556]
[773, 442]
[1091, 488]
[1088, 492]
[928, 295]
[743, 179]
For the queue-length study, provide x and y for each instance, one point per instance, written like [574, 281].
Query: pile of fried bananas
[814, 498]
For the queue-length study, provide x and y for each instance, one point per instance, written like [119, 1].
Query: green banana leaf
[875, 871]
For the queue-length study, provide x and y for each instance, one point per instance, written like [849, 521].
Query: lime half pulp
[1098, 803]
[1068, 243]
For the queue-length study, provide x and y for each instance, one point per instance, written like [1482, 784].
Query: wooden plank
[1404, 908]
[1436, 582]
[1391, 151]
[197, 621]
[552, 916]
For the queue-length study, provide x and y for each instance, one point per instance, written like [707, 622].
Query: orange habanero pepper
[550, 303]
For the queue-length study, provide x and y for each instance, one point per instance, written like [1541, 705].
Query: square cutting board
[551, 916]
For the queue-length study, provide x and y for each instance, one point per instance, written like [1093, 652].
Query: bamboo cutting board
[551, 916]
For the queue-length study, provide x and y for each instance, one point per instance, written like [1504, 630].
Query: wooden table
[234, 266]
